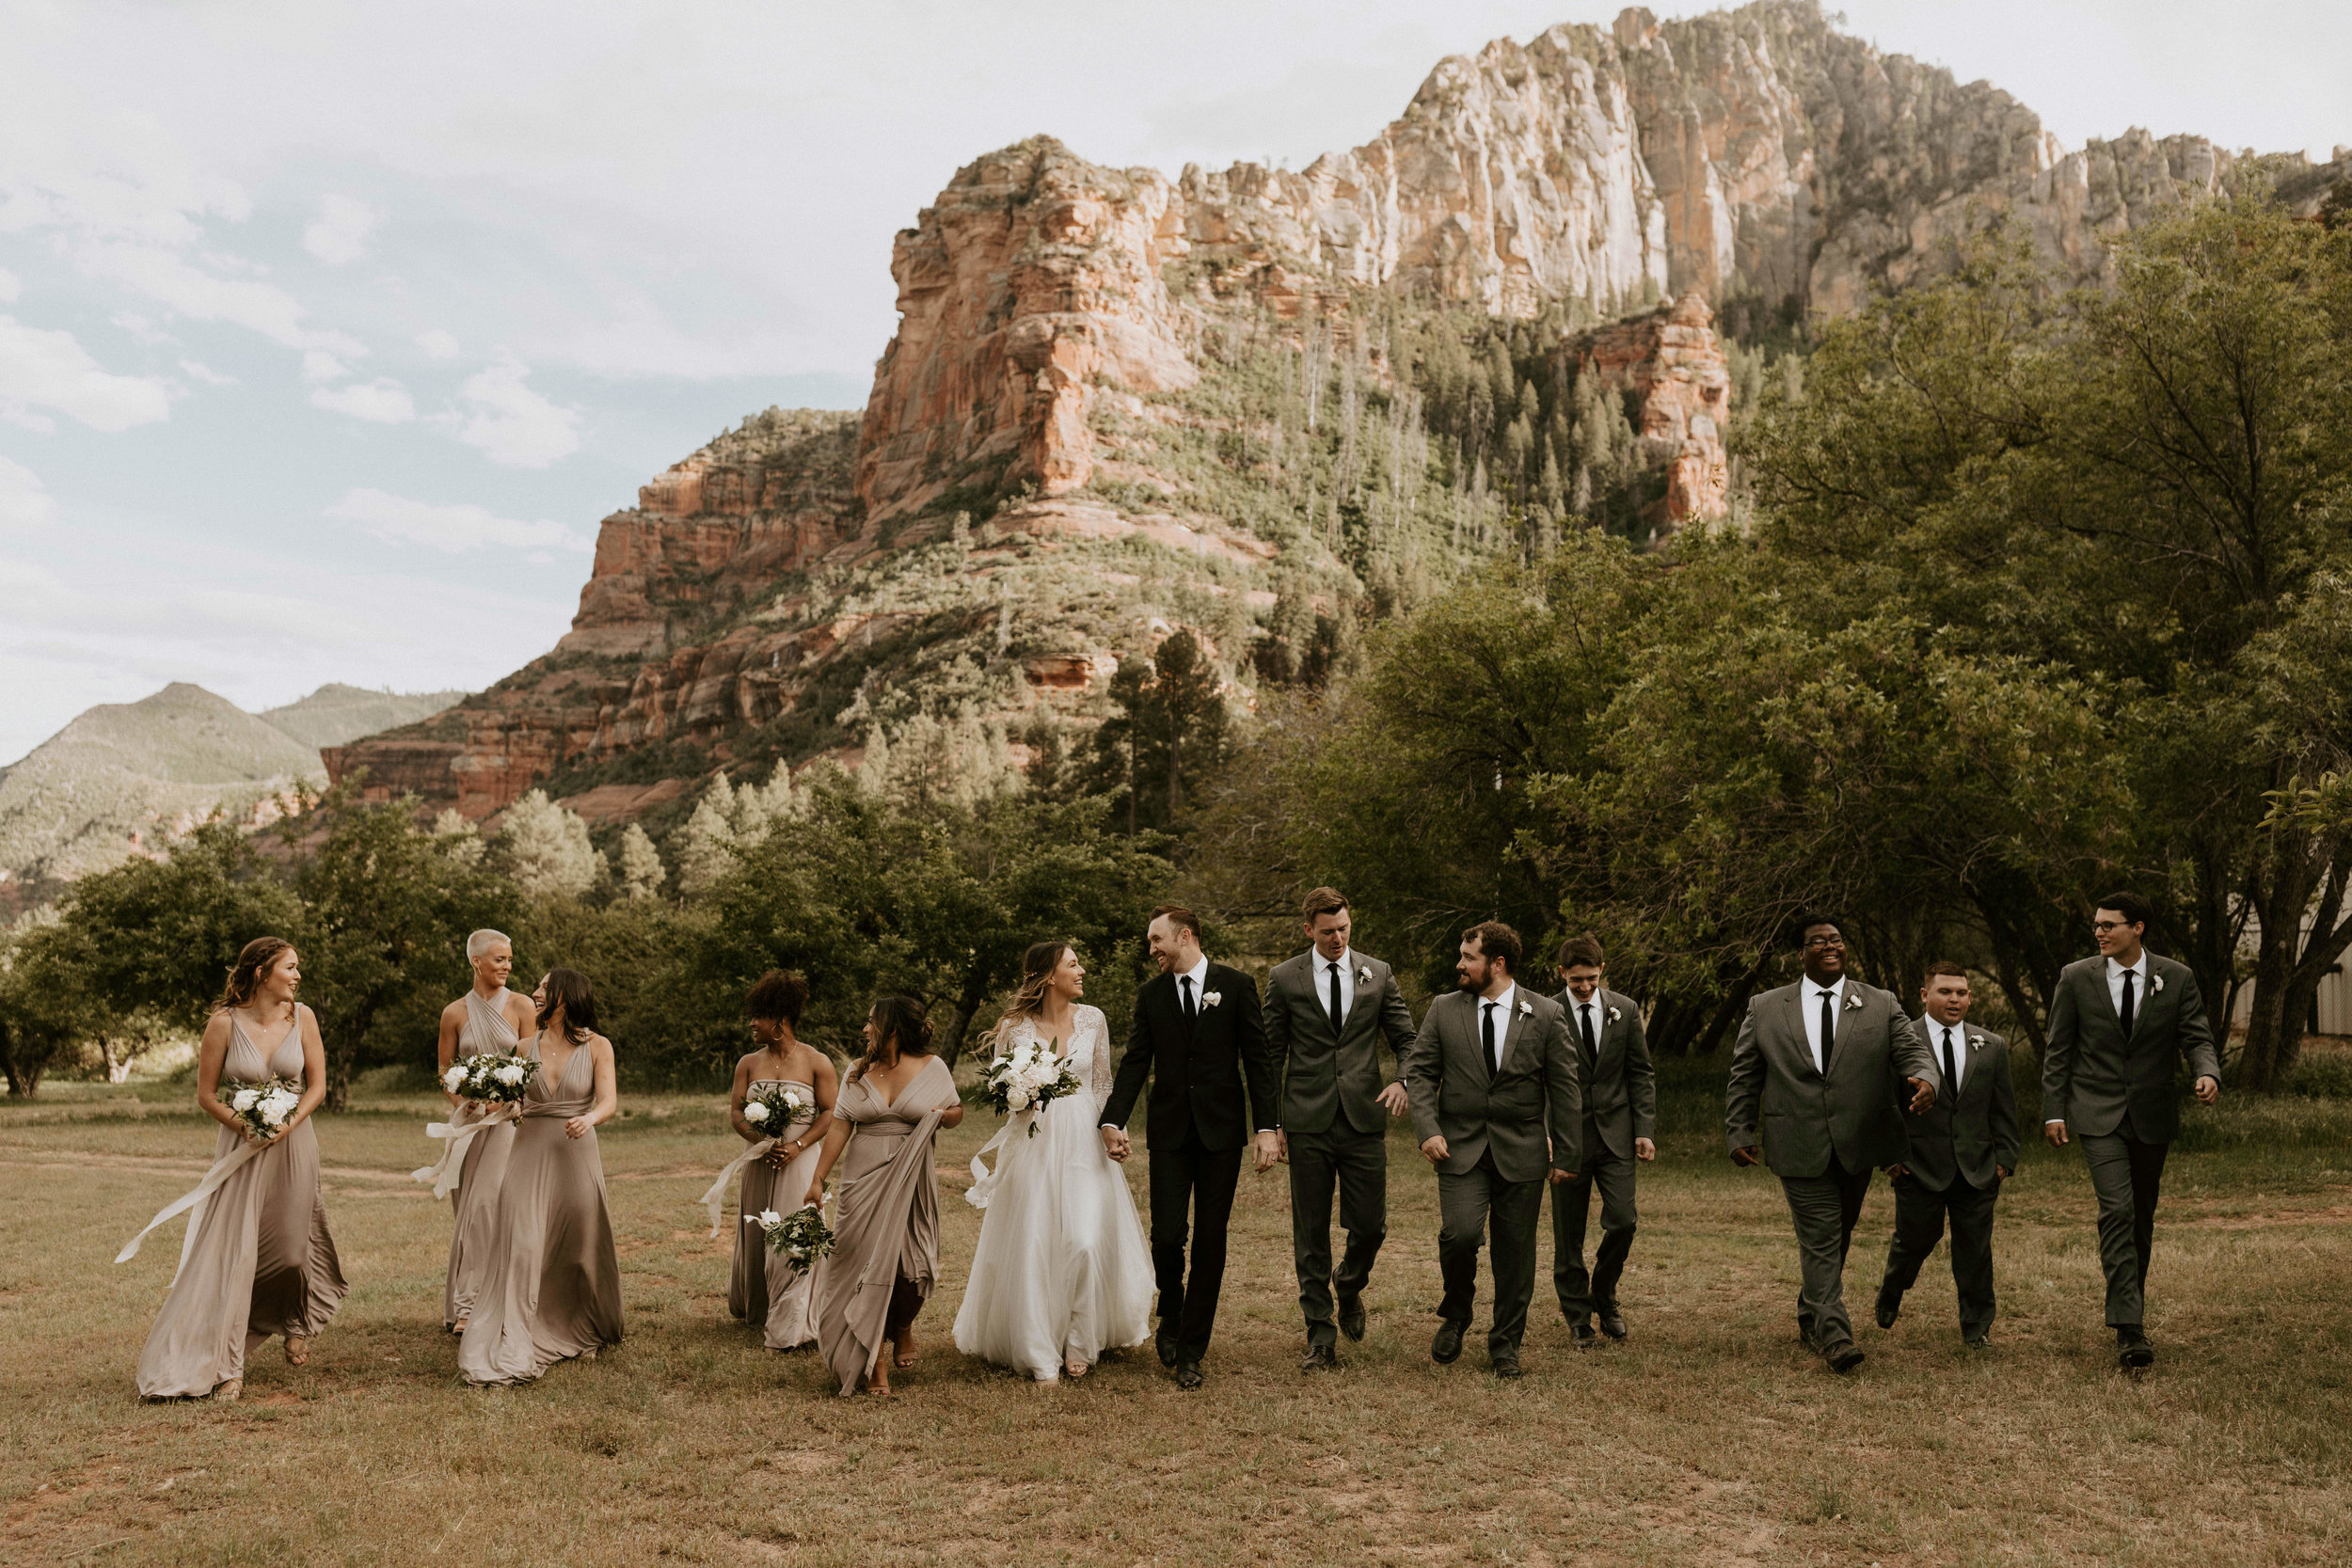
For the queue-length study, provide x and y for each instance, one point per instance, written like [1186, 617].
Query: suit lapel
[1793, 1015]
[2098, 978]
[1358, 987]
[1510, 1034]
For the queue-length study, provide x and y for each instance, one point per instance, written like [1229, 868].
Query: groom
[1196, 1032]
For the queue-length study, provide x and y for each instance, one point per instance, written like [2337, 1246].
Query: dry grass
[1709, 1439]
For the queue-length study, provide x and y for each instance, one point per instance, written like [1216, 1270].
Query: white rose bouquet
[801, 1236]
[774, 1110]
[262, 1108]
[1028, 1077]
[497, 1079]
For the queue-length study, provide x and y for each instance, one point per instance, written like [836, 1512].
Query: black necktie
[1592, 1047]
[1829, 1026]
[2126, 1008]
[1190, 1015]
[1336, 1015]
[1951, 1078]
[1486, 1039]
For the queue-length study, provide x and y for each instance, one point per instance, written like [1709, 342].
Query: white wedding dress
[1062, 1272]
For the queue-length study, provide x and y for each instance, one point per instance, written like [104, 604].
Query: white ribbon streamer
[223, 1169]
[444, 1172]
[984, 1180]
[716, 1199]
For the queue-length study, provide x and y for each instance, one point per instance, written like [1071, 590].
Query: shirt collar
[1325, 966]
[1198, 974]
[2140, 969]
[1836, 987]
[1510, 994]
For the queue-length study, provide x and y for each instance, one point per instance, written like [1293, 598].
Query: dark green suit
[1959, 1147]
[1333, 1122]
[2117, 1095]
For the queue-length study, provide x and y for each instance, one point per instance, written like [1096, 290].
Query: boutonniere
[1614, 1015]
[1363, 976]
[1211, 998]
[1527, 1009]
[2155, 982]
[1853, 1000]
[1976, 1041]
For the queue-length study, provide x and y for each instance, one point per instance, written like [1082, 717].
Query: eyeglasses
[1824, 941]
[2103, 927]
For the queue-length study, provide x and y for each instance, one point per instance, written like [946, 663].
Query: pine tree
[707, 851]
[546, 849]
[641, 871]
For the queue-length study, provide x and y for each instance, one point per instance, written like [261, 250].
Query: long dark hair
[904, 1029]
[253, 961]
[568, 989]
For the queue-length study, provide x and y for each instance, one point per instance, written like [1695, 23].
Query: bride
[1062, 1270]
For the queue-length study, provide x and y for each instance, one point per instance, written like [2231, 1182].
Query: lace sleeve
[1099, 1070]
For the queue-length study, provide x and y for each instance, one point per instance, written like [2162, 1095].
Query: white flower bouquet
[498, 1079]
[262, 1108]
[1028, 1077]
[803, 1236]
[774, 1110]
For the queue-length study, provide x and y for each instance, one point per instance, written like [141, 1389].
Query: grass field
[1709, 1438]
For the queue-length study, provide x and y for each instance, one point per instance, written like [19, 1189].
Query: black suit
[1196, 1125]
[1958, 1148]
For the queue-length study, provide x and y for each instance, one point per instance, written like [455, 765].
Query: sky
[329, 331]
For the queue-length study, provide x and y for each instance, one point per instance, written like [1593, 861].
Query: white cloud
[10, 287]
[438, 343]
[383, 402]
[41, 369]
[454, 529]
[166, 276]
[339, 234]
[25, 500]
[206, 373]
[511, 423]
[318, 365]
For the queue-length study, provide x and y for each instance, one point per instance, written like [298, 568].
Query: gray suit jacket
[1856, 1112]
[1970, 1130]
[1535, 1098]
[1621, 1087]
[2096, 1081]
[1331, 1074]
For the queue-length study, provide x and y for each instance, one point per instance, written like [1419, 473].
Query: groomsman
[1963, 1147]
[1198, 1038]
[1820, 1068]
[1326, 1011]
[1493, 1085]
[1620, 1094]
[2118, 1026]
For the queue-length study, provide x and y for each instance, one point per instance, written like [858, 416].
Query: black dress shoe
[2133, 1352]
[1581, 1332]
[1508, 1365]
[1890, 1307]
[1320, 1358]
[1843, 1356]
[1166, 1343]
[1447, 1346]
[1189, 1374]
[1352, 1317]
[1611, 1322]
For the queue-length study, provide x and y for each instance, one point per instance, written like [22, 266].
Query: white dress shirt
[2139, 984]
[1960, 1051]
[1199, 975]
[1502, 1019]
[1811, 1007]
[1346, 965]
[1579, 1012]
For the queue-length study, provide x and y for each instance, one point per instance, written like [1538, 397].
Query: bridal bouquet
[499, 1079]
[1030, 1076]
[774, 1110]
[262, 1108]
[803, 1236]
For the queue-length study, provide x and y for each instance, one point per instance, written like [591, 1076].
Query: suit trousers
[1824, 1208]
[1356, 1164]
[1465, 1204]
[1920, 1211]
[1581, 1293]
[2127, 1173]
[1194, 1182]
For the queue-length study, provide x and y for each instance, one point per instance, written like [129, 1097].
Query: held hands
[1434, 1150]
[1393, 1100]
[2208, 1090]
[1923, 1095]
[1645, 1150]
[1271, 1147]
[1115, 1143]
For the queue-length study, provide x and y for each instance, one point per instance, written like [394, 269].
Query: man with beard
[1493, 1085]
[1820, 1068]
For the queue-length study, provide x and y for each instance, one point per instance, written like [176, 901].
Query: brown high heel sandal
[228, 1392]
[298, 1350]
[903, 1348]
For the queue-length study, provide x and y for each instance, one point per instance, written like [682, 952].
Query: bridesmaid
[258, 1259]
[765, 1289]
[885, 1257]
[487, 1019]
[553, 1289]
